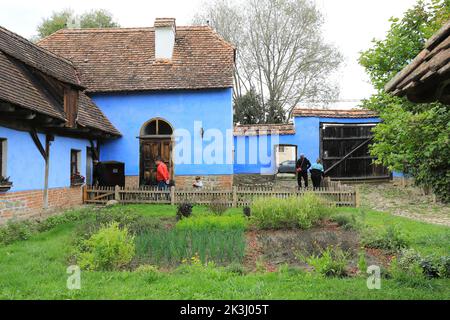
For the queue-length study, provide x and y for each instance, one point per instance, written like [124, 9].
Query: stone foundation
[29, 204]
[253, 179]
[219, 181]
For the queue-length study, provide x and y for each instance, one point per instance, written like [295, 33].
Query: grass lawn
[36, 269]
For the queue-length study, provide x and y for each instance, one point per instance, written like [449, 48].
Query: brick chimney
[165, 30]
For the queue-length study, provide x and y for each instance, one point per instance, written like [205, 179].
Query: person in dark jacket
[302, 168]
[317, 173]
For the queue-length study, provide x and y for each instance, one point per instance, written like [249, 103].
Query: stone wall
[225, 181]
[253, 179]
[29, 204]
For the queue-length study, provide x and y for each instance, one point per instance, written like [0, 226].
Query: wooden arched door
[155, 140]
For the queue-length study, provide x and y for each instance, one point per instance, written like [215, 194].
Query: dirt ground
[273, 248]
[409, 202]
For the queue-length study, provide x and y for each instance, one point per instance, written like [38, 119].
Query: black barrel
[110, 174]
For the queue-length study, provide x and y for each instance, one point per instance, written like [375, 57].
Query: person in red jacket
[162, 174]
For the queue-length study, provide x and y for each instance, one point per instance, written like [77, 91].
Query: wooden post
[357, 199]
[84, 191]
[234, 197]
[47, 169]
[117, 193]
[172, 195]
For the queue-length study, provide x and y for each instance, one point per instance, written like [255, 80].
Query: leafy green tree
[248, 109]
[413, 138]
[67, 18]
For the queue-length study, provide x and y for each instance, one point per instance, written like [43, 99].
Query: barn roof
[123, 59]
[264, 129]
[22, 65]
[421, 79]
[334, 113]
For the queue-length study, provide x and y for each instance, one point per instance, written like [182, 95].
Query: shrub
[330, 262]
[17, 231]
[302, 212]
[390, 239]
[184, 210]
[345, 221]
[150, 273]
[111, 248]
[218, 206]
[362, 262]
[407, 274]
[432, 267]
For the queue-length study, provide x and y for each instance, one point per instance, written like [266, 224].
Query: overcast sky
[350, 24]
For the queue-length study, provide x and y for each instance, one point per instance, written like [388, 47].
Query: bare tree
[226, 17]
[281, 51]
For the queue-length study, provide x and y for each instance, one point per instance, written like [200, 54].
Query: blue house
[82, 96]
[168, 89]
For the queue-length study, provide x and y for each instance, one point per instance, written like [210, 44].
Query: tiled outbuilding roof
[37, 57]
[334, 113]
[116, 60]
[21, 65]
[429, 68]
[264, 129]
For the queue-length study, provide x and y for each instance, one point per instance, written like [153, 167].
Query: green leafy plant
[302, 212]
[111, 248]
[362, 263]
[247, 211]
[391, 239]
[184, 210]
[348, 222]
[331, 262]
[150, 273]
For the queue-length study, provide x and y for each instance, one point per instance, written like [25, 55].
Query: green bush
[17, 231]
[184, 210]
[111, 248]
[407, 274]
[150, 273]
[390, 239]
[330, 262]
[432, 267]
[22, 230]
[348, 222]
[303, 212]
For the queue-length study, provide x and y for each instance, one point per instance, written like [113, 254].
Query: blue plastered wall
[128, 112]
[26, 167]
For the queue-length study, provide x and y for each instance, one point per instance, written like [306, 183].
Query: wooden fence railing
[337, 194]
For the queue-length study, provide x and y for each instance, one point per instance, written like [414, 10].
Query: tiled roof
[89, 115]
[265, 129]
[336, 113]
[431, 66]
[37, 57]
[21, 65]
[18, 88]
[115, 60]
